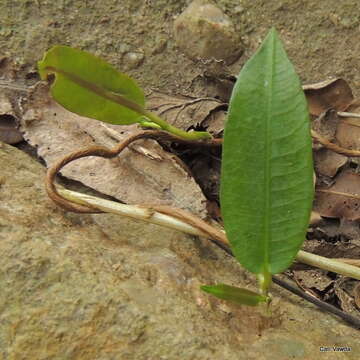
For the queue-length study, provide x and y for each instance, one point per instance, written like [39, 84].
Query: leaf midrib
[269, 96]
[98, 90]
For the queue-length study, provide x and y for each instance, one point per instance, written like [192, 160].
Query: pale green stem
[193, 135]
[328, 264]
[264, 280]
[149, 124]
[149, 215]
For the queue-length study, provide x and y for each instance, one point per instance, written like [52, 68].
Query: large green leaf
[266, 181]
[88, 86]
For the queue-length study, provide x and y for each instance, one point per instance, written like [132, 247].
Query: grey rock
[204, 32]
[132, 60]
[104, 287]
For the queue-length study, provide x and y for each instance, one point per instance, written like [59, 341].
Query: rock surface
[204, 32]
[104, 287]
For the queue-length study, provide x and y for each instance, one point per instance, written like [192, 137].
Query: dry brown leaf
[313, 279]
[339, 249]
[353, 262]
[144, 173]
[330, 94]
[357, 295]
[9, 132]
[184, 112]
[346, 302]
[215, 122]
[326, 124]
[342, 199]
[342, 289]
[348, 131]
[328, 162]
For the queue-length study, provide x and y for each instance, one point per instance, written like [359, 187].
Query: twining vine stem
[174, 217]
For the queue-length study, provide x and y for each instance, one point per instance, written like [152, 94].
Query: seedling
[267, 171]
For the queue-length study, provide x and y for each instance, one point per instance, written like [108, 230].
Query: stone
[204, 32]
[132, 60]
[87, 287]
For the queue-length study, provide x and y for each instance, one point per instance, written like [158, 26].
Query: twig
[173, 217]
[85, 204]
[336, 148]
[354, 262]
[339, 193]
[179, 220]
[134, 147]
[104, 152]
[166, 216]
[347, 114]
[321, 304]
[154, 217]
[14, 86]
[324, 263]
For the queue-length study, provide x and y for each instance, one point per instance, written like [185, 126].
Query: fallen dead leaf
[346, 301]
[357, 295]
[9, 132]
[328, 162]
[330, 94]
[184, 112]
[142, 174]
[348, 132]
[215, 122]
[326, 246]
[326, 124]
[313, 279]
[342, 199]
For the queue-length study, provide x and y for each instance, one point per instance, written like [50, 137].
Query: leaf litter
[334, 230]
[55, 132]
[9, 132]
[337, 199]
[186, 112]
[145, 173]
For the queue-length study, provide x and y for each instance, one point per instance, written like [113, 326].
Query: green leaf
[88, 86]
[234, 294]
[266, 182]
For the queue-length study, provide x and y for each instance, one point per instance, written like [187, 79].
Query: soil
[321, 38]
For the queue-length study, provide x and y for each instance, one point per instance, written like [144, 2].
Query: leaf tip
[205, 288]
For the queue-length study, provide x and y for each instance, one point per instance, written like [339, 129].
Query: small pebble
[132, 60]
[238, 9]
[204, 32]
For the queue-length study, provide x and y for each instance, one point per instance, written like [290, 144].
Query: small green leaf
[88, 86]
[267, 170]
[234, 294]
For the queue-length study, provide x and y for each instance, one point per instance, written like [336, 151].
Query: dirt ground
[321, 37]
